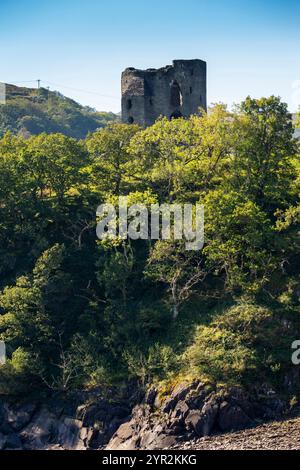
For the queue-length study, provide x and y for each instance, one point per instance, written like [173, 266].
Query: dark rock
[38, 433]
[94, 439]
[197, 398]
[161, 442]
[191, 409]
[202, 422]
[176, 426]
[100, 412]
[125, 438]
[151, 396]
[182, 390]
[13, 442]
[4, 426]
[291, 379]
[272, 408]
[112, 427]
[276, 405]
[148, 439]
[71, 434]
[232, 417]
[141, 411]
[180, 411]
[86, 413]
[126, 432]
[119, 412]
[2, 441]
[168, 405]
[19, 417]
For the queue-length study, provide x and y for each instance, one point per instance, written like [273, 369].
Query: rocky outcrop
[191, 411]
[59, 425]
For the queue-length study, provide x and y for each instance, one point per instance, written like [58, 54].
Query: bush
[244, 344]
[154, 365]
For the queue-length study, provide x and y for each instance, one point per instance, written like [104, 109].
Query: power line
[81, 90]
[23, 81]
[38, 81]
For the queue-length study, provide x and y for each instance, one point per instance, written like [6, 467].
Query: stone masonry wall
[172, 91]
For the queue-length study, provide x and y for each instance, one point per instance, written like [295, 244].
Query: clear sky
[80, 47]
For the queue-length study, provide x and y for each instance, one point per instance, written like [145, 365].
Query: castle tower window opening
[176, 95]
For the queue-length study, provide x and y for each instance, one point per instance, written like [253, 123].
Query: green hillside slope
[30, 111]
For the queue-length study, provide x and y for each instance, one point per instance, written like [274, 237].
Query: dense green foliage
[31, 111]
[77, 312]
[297, 120]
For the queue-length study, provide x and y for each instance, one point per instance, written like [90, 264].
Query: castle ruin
[177, 90]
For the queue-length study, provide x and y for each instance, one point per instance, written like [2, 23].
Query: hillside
[155, 342]
[296, 122]
[30, 111]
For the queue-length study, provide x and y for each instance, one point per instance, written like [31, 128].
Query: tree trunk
[175, 311]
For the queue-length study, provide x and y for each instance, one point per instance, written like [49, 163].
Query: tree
[179, 159]
[264, 144]
[32, 310]
[54, 164]
[108, 150]
[179, 269]
[240, 240]
[297, 121]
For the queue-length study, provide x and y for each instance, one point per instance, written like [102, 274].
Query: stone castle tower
[173, 91]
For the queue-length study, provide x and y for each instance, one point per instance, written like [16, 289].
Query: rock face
[232, 417]
[190, 412]
[59, 425]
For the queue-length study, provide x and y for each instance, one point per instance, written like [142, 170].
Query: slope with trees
[31, 111]
[78, 313]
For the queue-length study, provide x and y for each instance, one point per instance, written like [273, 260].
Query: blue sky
[80, 47]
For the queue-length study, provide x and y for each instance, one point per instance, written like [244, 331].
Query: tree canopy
[78, 312]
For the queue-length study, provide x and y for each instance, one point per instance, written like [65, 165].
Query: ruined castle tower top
[173, 91]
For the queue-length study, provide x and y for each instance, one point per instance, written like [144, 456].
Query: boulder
[72, 435]
[197, 397]
[150, 397]
[2, 441]
[180, 411]
[168, 405]
[13, 442]
[5, 428]
[232, 417]
[40, 430]
[130, 444]
[126, 431]
[124, 438]
[176, 426]
[195, 421]
[18, 417]
[100, 412]
[203, 421]
[156, 442]
[182, 390]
